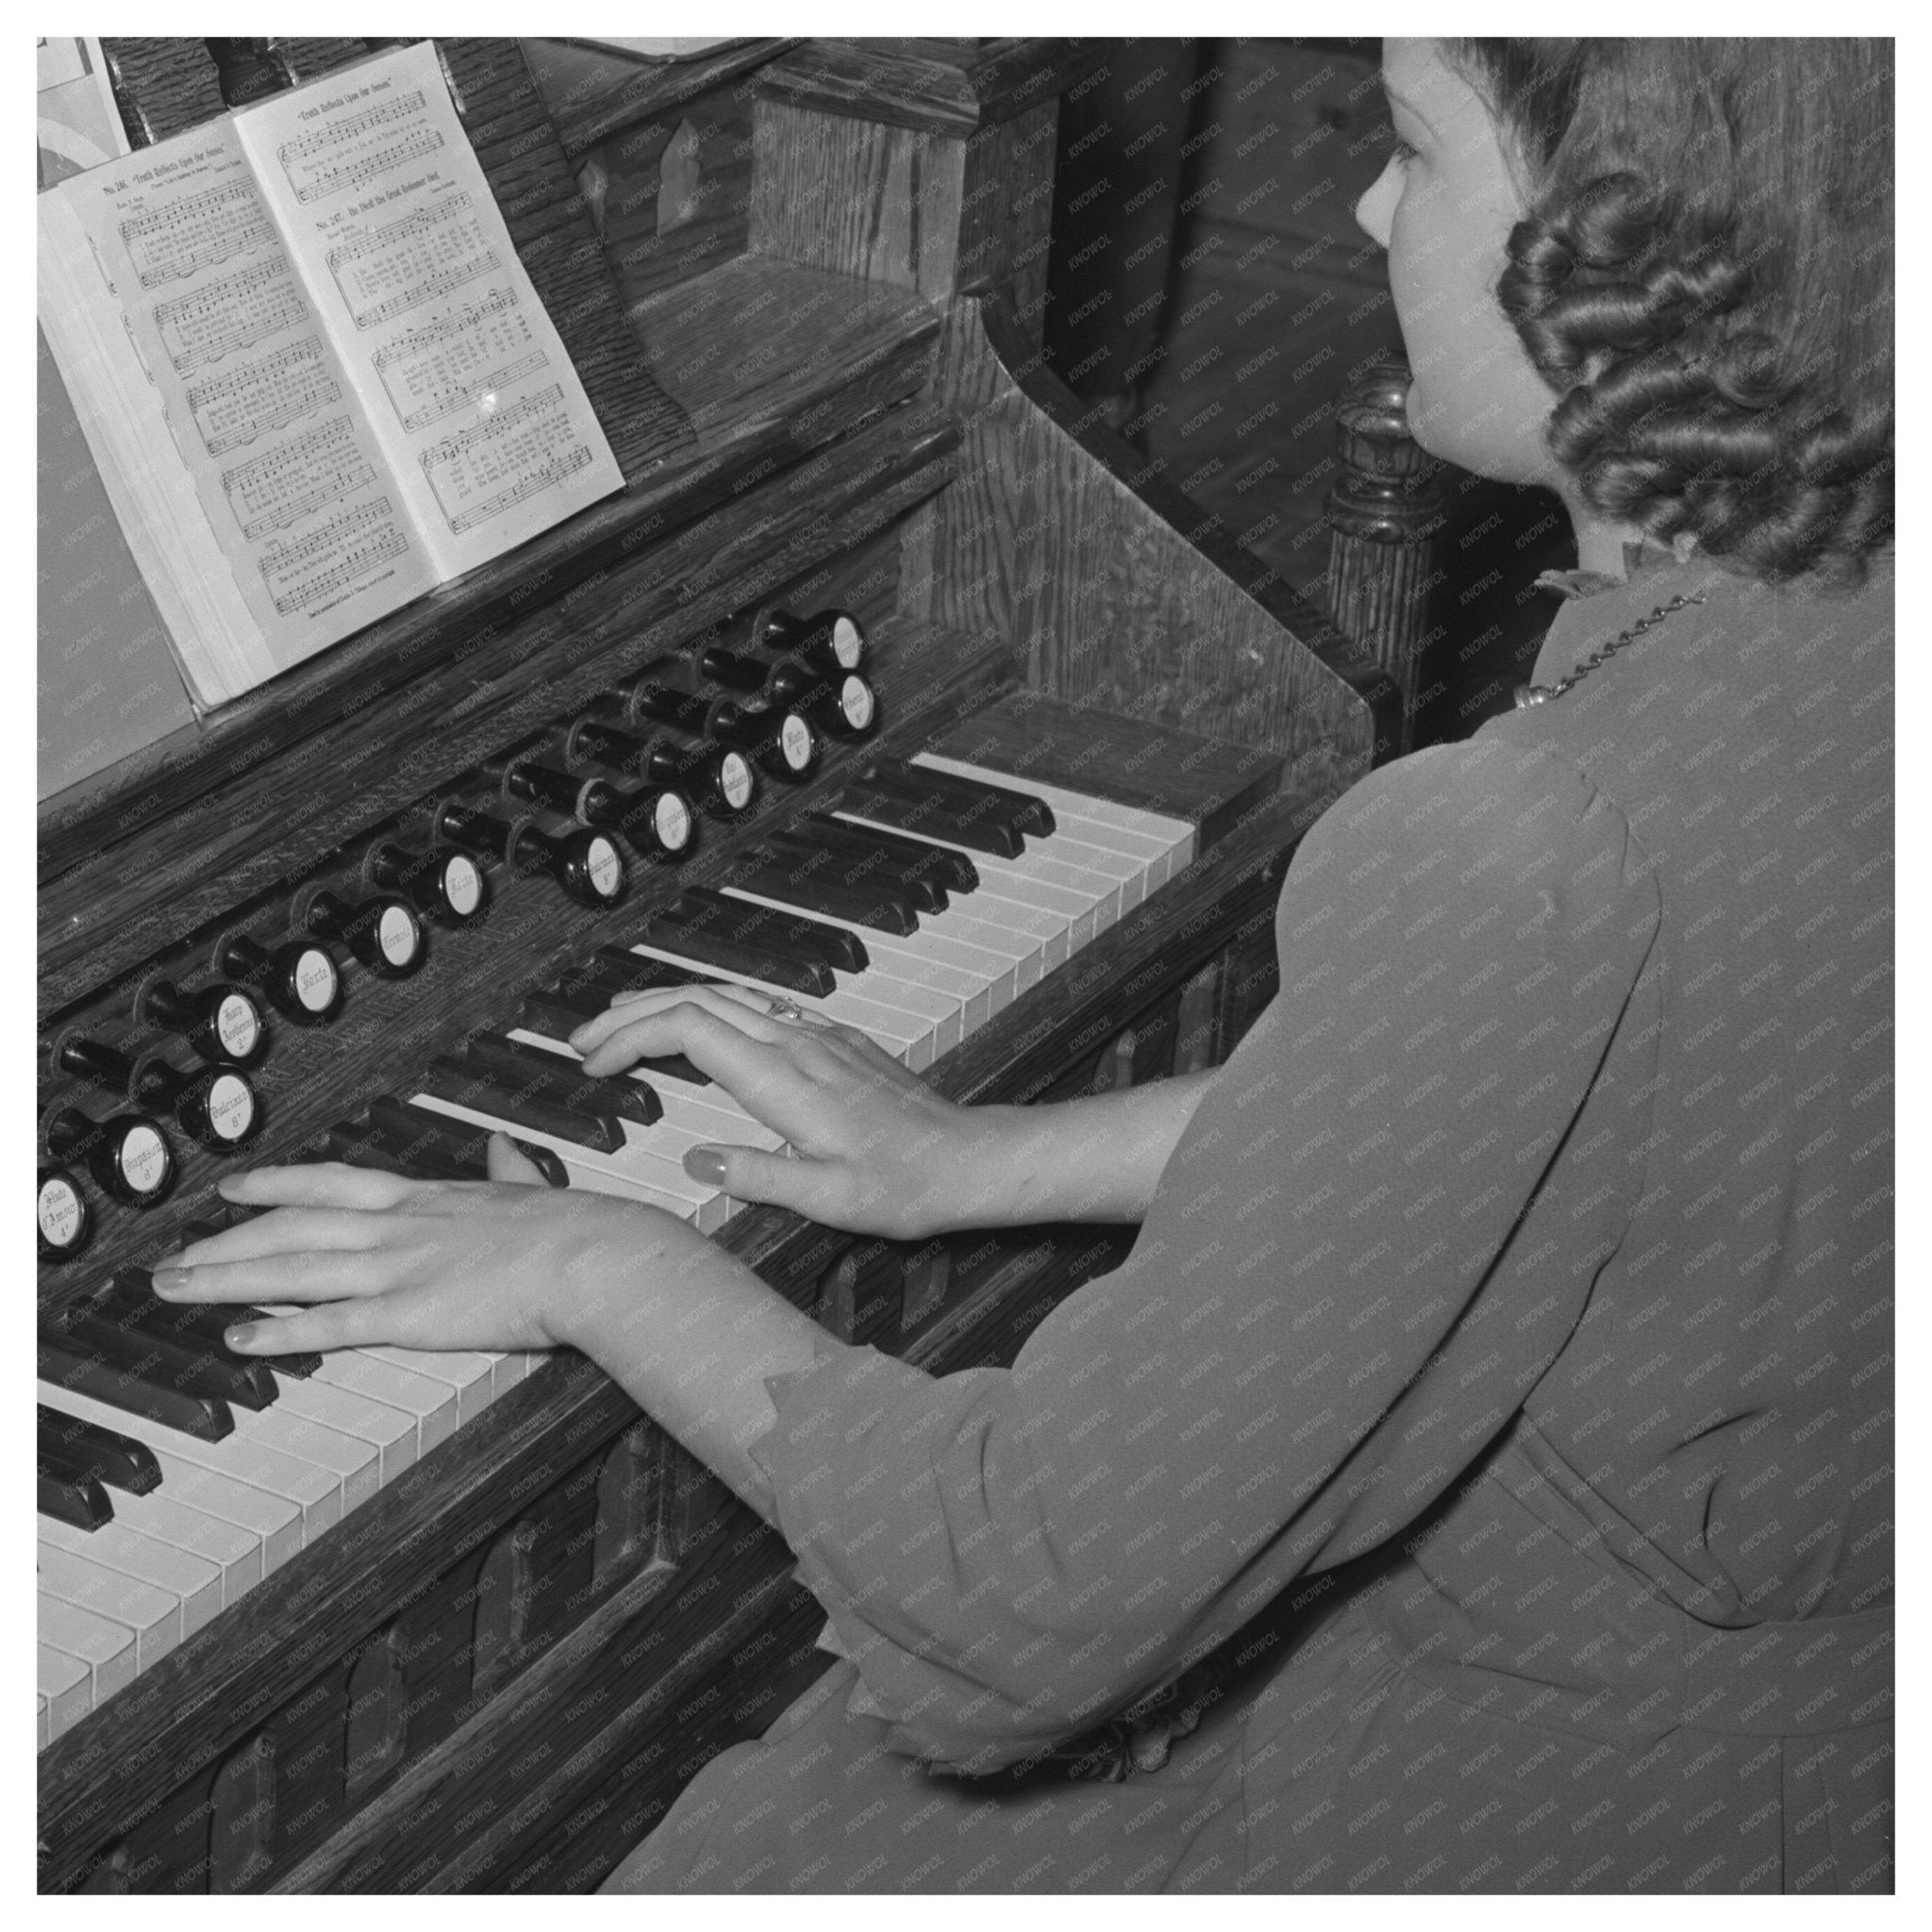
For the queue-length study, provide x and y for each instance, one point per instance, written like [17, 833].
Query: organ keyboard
[397, 1620]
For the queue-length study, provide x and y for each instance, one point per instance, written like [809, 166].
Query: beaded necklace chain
[1529, 694]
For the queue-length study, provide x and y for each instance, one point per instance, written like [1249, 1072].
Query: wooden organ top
[802, 284]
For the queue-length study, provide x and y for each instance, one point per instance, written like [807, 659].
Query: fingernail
[705, 1164]
[241, 1336]
[170, 1280]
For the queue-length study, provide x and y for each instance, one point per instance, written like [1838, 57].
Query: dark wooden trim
[592, 93]
[950, 87]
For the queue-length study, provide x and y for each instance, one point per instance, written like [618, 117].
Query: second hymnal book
[315, 376]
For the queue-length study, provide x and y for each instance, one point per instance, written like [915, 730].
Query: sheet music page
[463, 373]
[292, 483]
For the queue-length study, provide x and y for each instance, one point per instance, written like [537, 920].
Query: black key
[184, 1367]
[710, 931]
[922, 873]
[809, 882]
[128, 1299]
[931, 815]
[559, 1012]
[206, 1417]
[568, 1084]
[468, 1144]
[88, 1449]
[784, 932]
[415, 1157]
[586, 988]
[1024, 811]
[954, 868]
[439, 1148]
[520, 1099]
[559, 1018]
[618, 970]
[78, 1500]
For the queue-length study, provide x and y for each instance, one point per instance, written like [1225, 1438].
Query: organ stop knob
[65, 1221]
[831, 640]
[220, 1022]
[384, 932]
[840, 703]
[660, 824]
[718, 777]
[585, 863]
[299, 978]
[216, 1104]
[445, 885]
[783, 741]
[128, 1155]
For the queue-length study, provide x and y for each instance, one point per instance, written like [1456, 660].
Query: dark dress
[1506, 1354]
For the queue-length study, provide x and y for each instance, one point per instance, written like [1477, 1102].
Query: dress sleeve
[1327, 1312]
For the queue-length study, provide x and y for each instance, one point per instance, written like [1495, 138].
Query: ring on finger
[782, 1008]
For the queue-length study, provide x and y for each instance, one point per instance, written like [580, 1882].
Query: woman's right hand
[877, 1150]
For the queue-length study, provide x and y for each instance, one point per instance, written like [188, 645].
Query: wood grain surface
[949, 87]
[1115, 590]
[596, 93]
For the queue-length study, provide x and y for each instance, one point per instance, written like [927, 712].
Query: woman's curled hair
[1705, 277]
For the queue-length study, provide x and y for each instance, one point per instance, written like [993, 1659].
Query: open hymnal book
[314, 374]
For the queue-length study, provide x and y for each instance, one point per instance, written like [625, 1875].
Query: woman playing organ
[1419, 1505]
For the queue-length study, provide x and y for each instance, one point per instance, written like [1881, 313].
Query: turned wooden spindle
[1384, 510]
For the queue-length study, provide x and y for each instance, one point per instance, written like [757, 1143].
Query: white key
[322, 1472]
[1064, 912]
[433, 1403]
[152, 1617]
[519, 1363]
[709, 1114]
[45, 1736]
[191, 1582]
[940, 934]
[1178, 833]
[200, 1475]
[1162, 844]
[350, 1465]
[234, 1552]
[103, 1647]
[470, 1372]
[67, 1686]
[388, 1431]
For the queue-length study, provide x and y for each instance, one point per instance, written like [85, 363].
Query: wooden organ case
[803, 283]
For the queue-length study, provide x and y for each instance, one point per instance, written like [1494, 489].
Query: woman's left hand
[497, 1264]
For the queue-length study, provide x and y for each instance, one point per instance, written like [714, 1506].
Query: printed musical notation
[235, 312]
[430, 372]
[261, 397]
[278, 488]
[349, 154]
[407, 262]
[182, 237]
[335, 560]
[480, 473]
